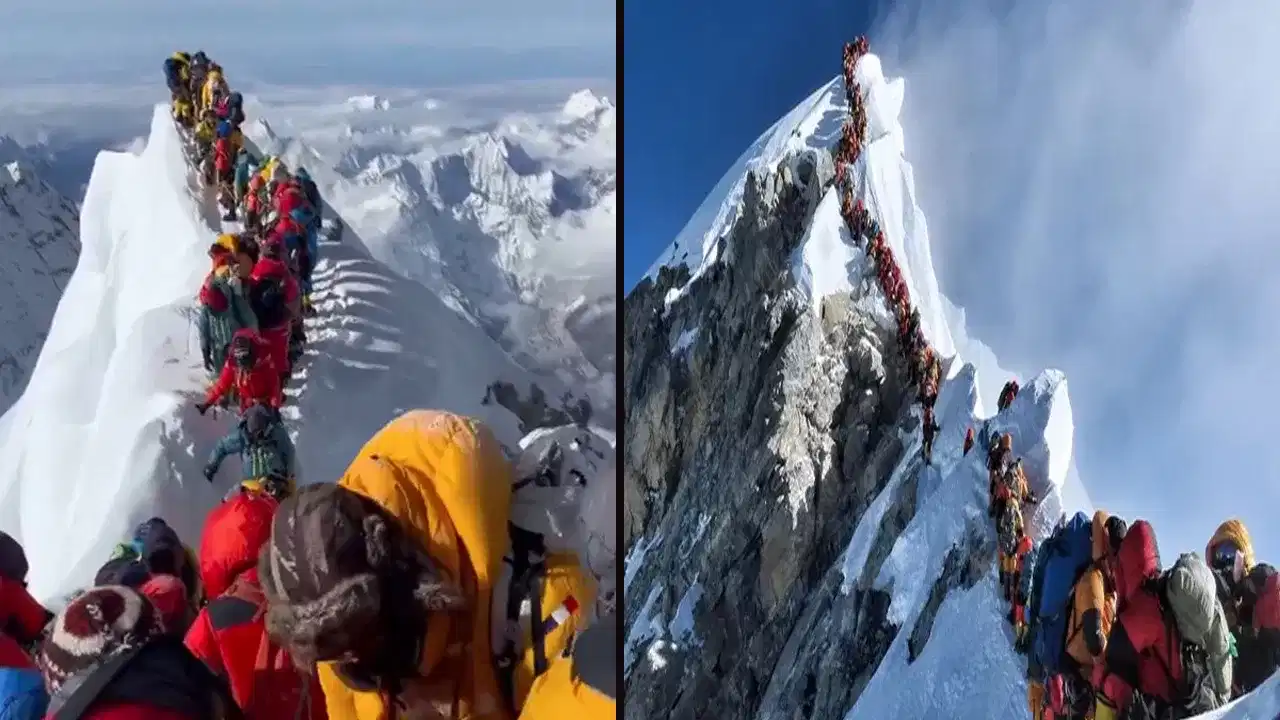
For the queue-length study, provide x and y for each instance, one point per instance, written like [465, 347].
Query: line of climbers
[434, 579]
[385, 595]
[1110, 634]
[1107, 632]
[924, 366]
[253, 301]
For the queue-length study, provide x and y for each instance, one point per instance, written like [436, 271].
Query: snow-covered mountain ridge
[105, 434]
[789, 555]
[511, 221]
[39, 230]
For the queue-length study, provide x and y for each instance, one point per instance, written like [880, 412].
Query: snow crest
[105, 434]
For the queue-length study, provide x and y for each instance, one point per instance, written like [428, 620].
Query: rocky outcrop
[758, 433]
[40, 233]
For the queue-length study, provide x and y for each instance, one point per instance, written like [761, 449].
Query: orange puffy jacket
[1094, 609]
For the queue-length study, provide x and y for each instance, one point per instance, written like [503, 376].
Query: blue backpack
[172, 73]
[1030, 564]
[22, 695]
[1066, 555]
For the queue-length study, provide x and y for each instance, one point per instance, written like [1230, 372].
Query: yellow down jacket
[445, 478]
[211, 83]
[581, 685]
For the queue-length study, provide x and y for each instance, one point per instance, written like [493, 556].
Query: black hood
[162, 674]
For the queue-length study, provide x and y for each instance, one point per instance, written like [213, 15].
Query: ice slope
[39, 231]
[967, 668]
[105, 435]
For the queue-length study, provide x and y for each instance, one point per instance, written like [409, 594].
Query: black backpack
[1007, 528]
[268, 302]
[1195, 693]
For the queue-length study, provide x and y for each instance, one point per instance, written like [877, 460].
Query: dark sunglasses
[1224, 556]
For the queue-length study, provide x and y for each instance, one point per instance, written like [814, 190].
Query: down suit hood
[445, 484]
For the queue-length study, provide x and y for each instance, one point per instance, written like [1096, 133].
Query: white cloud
[73, 122]
[1099, 179]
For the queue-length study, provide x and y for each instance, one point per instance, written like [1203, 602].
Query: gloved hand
[202, 407]
[209, 472]
[1102, 710]
[208, 362]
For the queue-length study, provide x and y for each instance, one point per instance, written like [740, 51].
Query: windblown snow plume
[789, 552]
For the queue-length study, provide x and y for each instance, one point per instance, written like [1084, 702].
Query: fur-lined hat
[332, 560]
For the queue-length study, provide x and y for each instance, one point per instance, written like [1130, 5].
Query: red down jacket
[1138, 650]
[277, 338]
[229, 633]
[260, 384]
[224, 156]
[22, 619]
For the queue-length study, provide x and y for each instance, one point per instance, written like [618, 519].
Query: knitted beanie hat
[99, 624]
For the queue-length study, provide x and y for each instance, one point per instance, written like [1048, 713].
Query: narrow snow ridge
[105, 435]
[84, 446]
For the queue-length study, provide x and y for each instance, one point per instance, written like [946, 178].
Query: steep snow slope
[105, 435]
[736, 601]
[39, 231]
[511, 221]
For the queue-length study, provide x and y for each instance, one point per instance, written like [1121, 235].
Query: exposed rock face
[758, 432]
[40, 234]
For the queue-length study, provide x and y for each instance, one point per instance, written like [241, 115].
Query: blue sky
[79, 75]
[1099, 185]
[701, 84]
[318, 42]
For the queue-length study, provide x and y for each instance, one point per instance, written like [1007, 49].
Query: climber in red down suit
[276, 302]
[249, 368]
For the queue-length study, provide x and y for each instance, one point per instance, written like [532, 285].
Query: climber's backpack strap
[528, 569]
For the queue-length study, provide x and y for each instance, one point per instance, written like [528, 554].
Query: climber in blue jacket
[263, 444]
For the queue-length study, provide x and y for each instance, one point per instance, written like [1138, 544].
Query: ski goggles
[1224, 556]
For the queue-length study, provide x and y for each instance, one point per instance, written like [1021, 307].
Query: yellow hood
[1237, 533]
[445, 478]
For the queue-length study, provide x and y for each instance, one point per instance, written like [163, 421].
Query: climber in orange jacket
[1092, 614]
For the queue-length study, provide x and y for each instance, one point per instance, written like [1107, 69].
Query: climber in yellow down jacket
[398, 582]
